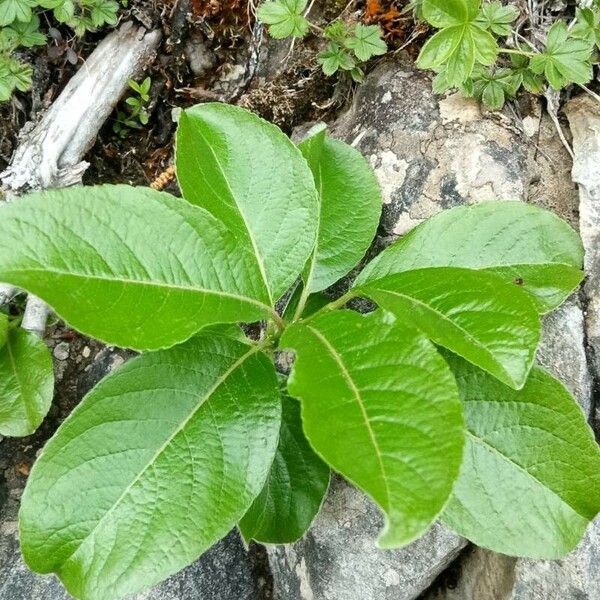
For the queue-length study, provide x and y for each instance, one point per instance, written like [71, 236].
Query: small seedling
[135, 116]
[471, 51]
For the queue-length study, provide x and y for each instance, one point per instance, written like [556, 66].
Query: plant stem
[519, 52]
[279, 322]
[333, 305]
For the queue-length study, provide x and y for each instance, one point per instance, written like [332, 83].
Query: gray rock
[430, 154]
[562, 351]
[338, 560]
[226, 572]
[584, 118]
[485, 575]
[61, 351]
[199, 56]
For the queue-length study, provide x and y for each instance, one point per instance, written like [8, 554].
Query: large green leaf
[249, 175]
[476, 314]
[130, 266]
[530, 482]
[524, 244]
[156, 464]
[349, 211]
[26, 383]
[380, 405]
[295, 488]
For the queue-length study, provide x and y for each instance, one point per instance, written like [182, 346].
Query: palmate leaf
[460, 43]
[249, 175]
[367, 42]
[446, 13]
[130, 266]
[295, 488]
[285, 18]
[350, 207]
[565, 60]
[525, 245]
[15, 10]
[587, 26]
[26, 382]
[497, 18]
[530, 482]
[476, 314]
[156, 464]
[381, 407]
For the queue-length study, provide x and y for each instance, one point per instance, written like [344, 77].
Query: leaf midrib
[443, 317]
[257, 255]
[201, 401]
[503, 457]
[348, 378]
[19, 383]
[158, 284]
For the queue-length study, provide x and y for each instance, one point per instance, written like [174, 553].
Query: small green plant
[348, 48]
[467, 51]
[135, 115]
[431, 404]
[19, 28]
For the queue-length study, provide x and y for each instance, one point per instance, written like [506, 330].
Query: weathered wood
[50, 153]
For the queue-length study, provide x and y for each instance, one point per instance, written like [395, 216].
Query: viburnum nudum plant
[431, 404]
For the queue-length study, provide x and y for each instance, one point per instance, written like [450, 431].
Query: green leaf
[493, 87]
[14, 10]
[333, 58]
[380, 406]
[476, 314]
[284, 17]
[26, 382]
[350, 207]
[130, 266]
[532, 82]
[65, 12]
[25, 34]
[367, 42]
[104, 12]
[295, 488]
[485, 46]
[522, 243]
[3, 329]
[439, 48]
[565, 60]
[530, 481]
[251, 177]
[156, 464]
[446, 13]
[13, 75]
[493, 95]
[497, 18]
[587, 26]
[458, 47]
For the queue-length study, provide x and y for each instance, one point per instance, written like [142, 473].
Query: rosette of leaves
[468, 42]
[431, 404]
[348, 47]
